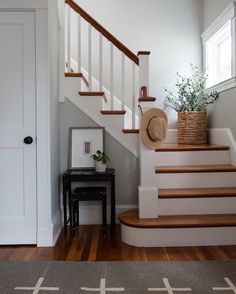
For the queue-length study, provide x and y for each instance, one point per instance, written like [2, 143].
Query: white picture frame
[83, 142]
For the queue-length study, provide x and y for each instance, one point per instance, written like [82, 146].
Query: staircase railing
[139, 63]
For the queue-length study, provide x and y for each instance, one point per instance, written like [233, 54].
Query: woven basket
[192, 127]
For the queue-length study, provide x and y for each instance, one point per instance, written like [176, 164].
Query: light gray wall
[170, 29]
[54, 106]
[125, 164]
[211, 9]
[222, 113]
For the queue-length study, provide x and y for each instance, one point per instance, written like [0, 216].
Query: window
[219, 55]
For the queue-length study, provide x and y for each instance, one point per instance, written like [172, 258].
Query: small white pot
[100, 167]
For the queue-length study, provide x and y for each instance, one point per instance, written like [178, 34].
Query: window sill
[223, 86]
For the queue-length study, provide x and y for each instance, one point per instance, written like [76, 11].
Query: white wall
[222, 113]
[169, 29]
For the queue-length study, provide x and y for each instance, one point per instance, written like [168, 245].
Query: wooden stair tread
[196, 193]
[91, 93]
[130, 131]
[196, 169]
[73, 74]
[147, 99]
[182, 147]
[113, 112]
[130, 218]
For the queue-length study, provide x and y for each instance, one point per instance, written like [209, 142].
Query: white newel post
[147, 189]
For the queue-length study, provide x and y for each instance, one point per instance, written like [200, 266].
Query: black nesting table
[86, 175]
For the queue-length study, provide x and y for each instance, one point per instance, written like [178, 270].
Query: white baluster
[100, 63]
[133, 95]
[111, 77]
[68, 38]
[79, 43]
[79, 50]
[122, 81]
[90, 56]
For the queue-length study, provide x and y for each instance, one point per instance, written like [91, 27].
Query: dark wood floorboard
[91, 245]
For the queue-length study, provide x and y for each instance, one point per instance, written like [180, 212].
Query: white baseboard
[47, 237]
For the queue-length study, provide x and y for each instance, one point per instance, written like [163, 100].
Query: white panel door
[17, 121]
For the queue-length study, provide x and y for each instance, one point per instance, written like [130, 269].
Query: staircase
[187, 194]
[194, 199]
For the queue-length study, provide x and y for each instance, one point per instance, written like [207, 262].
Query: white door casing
[17, 120]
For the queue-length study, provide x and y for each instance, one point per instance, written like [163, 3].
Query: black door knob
[28, 140]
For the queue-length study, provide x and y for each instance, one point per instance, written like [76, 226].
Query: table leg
[70, 204]
[113, 202]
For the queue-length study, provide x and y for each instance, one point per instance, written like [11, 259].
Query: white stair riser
[196, 180]
[192, 158]
[156, 237]
[196, 206]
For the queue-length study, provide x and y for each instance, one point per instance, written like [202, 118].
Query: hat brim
[147, 141]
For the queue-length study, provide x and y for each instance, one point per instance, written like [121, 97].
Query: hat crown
[156, 128]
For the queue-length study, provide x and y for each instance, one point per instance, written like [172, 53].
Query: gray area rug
[118, 277]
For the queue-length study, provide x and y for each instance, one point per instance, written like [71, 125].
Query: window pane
[218, 56]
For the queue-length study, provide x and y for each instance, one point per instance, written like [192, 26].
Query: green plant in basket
[191, 95]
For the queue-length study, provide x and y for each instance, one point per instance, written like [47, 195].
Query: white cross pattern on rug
[168, 288]
[231, 287]
[37, 287]
[102, 289]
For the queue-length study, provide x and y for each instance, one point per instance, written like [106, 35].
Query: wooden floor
[90, 245]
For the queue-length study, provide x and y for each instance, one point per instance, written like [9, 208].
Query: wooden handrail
[103, 31]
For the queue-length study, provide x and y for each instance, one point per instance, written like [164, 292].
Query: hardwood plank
[131, 218]
[196, 169]
[196, 193]
[111, 249]
[91, 93]
[113, 112]
[182, 147]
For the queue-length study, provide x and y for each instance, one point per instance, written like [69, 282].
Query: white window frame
[227, 15]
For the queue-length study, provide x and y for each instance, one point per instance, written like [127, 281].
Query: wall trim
[43, 130]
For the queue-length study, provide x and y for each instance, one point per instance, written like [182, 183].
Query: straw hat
[153, 128]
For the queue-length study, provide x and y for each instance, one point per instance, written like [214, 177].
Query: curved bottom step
[171, 231]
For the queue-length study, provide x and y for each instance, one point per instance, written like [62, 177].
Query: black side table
[86, 175]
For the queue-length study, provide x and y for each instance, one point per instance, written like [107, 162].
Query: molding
[43, 130]
[24, 4]
[223, 86]
[221, 20]
[47, 237]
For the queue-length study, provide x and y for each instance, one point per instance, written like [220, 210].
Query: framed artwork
[83, 142]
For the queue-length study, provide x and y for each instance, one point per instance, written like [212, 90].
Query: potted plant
[100, 159]
[191, 102]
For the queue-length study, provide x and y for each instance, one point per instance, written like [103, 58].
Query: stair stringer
[92, 107]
